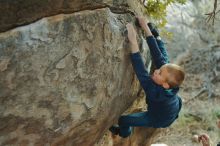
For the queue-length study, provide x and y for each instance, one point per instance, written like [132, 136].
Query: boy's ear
[166, 85]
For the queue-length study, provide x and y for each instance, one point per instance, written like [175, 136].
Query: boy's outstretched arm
[163, 50]
[132, 34]
[137, 61]
[160, 43]
[155, 51]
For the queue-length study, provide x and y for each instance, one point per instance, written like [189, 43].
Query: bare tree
[212, 15]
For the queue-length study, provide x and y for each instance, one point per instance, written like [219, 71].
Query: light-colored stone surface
[65, 79]
[18, 13]
[15, 13]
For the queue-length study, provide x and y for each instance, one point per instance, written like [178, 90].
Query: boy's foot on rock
[114, 130]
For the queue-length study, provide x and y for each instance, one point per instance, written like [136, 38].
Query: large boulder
[21, 12]
[15, 13]
[64, 79]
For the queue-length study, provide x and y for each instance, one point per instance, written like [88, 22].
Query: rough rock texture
[20, 12]
[63, 79]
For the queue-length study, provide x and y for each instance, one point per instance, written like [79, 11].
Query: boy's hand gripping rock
[131, 33]
[132, 38]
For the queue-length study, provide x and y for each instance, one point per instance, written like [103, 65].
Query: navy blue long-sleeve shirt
[158, 51]
[163, 104]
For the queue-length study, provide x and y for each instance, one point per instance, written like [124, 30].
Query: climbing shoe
[114, 129]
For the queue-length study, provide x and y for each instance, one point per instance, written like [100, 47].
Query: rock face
[21, 12]
[66, 78]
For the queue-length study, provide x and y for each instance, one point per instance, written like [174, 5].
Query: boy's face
[160, 75]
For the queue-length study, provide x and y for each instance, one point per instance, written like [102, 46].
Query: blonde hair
[176, 75]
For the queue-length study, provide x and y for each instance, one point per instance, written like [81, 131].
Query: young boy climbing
[161, 87]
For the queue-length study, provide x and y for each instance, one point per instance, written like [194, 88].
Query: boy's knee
[120, 120]
[124, 133]
[124, 136]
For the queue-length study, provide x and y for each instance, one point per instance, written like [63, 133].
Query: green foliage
[157, 9]
[164, 32]
[216, 113]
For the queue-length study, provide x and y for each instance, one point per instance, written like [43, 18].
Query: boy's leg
[133, 120]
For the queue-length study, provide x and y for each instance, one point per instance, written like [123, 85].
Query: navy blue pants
[125, 123]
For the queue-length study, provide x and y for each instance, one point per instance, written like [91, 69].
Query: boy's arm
[163, 49]
[137, 61]
[160, 43]
[156, 54]
[155, 51]
[150, 88]
[141, 72]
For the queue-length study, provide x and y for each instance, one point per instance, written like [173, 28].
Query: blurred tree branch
[212, 15]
